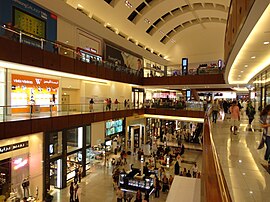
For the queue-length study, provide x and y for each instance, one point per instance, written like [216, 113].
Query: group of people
[108, 104]
[233, 111]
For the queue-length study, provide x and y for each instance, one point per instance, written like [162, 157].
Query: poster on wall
[25, 16]
[123, 58]
[26, 90]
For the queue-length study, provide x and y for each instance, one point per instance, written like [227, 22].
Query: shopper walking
[265, 121]
[91, 105]
[194, 170]
[119, 194]
[138, 196]
[215, 110]
[76, 190]
[71, 192]
[250, 112]
[156, 186]
[235, 117]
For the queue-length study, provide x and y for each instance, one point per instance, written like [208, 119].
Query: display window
[55, 146]
[74, 162]
[27, 91]
[14, 176]
[74, 139]
[88, 135]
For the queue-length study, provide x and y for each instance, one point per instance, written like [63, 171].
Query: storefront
[66, 152]
[115, 138]
[21, 167]
[33, 93]
[137, 97]
[135, 133]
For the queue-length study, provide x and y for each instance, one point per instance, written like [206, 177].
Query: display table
[134, 181]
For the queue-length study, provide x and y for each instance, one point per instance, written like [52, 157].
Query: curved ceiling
[165, 26]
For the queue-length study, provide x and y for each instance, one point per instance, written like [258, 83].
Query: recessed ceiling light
[253, 57]
[242, 71]
[147, 20]
[266, 42]
[161, 32]
[246, 65]
[239, 75]
[128, 4]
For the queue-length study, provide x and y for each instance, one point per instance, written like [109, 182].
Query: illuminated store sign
[19, 163]
[30, 81]
[13, 147]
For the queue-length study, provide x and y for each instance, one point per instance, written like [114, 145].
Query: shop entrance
[5, 177]
[65, 102]
[56, 174]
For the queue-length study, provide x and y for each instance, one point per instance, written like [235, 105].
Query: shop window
[74, 163]
[55, 146]
[88, 135]
[74, 139]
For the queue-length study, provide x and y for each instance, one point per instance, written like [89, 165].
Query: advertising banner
[123, 58]
[28, 90]
[29, 18]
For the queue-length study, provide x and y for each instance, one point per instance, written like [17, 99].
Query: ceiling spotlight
[146, 20]
[242, 71]
[128, 4]
[246, 65]
[161, 32]
[253, 57]
[239, 75]
[266, 42]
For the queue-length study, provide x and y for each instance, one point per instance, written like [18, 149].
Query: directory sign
[184, 66]
[29, 24]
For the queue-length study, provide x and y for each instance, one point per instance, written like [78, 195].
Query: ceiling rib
[169, 35]
[183, 10]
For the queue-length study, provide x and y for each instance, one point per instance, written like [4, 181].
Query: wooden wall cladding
[14, 50]
[51, 61]
[75, 120]
[239, 10]
[2, 130]
[59, 123]
[80, 67]
[184, 80]
[91, 70]
[32, 56]
[67, 64]
[40, 125]
[17, 128]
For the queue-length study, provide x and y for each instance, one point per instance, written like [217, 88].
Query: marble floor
[97, 186]
[241, 161]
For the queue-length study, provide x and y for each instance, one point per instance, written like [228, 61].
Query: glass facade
[74, 139]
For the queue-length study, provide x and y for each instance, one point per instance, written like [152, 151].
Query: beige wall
[97, 133]
[112, 90]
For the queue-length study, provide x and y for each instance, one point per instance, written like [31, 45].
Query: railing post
[20, 38]
[42, 44]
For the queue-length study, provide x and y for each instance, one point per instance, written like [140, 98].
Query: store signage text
[13, 147]
[19, 163]
[34, 81]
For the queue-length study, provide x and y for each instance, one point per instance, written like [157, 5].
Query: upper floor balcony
[28, 119]
[61, 57]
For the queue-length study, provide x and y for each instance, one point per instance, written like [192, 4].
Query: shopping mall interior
[134, 100]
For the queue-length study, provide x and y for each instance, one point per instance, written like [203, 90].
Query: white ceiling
[198, 27]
